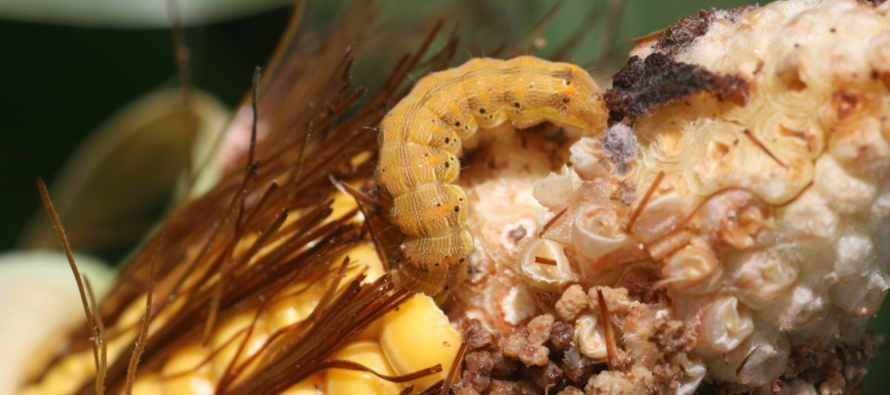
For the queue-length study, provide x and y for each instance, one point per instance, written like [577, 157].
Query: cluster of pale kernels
[767, 221]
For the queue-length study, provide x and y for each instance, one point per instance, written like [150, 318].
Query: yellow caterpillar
[421, 139]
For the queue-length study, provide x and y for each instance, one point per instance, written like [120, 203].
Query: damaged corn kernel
[693, 267]
[589, 337]
[725, 324]
[543, 263]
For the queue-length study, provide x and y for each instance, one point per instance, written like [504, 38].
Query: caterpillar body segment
[431, 210]
[421, 139]
[428, 165]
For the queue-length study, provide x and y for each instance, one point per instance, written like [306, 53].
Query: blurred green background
[61, 82]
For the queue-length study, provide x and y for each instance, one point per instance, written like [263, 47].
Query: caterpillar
[421, 139]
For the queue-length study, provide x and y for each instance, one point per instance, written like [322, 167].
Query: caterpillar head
[576, 101]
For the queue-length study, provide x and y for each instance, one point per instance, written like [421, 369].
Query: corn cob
[705, 240]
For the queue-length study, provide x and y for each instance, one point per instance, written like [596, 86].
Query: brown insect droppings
[643, 84]
[676, 38]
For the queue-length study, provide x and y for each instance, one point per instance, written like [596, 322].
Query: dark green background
[58, 83]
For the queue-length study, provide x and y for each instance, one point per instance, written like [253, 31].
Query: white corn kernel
[590, 338]
[761, 358]
[595, 235]
[861, 147]
[694, 269]
[862, 296]
[554, 190]
[738, 219]
[765, 358]
[543, 263]
[854, 253]
[517, 305]
[801, 306]
[725, 324]
[815, 222]
[662, 215]
[584, 159]
[846, 193]
[762, 277]
[695, 371]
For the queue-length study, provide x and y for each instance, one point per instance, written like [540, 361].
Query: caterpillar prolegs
[421, 139]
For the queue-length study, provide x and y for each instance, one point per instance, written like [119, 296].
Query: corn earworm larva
[421, 139]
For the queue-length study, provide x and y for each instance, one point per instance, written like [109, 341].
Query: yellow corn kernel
[66, 377]
[150, 384]
[363, 257]
[343, 203]
[187, 373]
[314, 385]
[369, 354]
[228, 339]
[372, 332]
[417, 336]
[293, 305]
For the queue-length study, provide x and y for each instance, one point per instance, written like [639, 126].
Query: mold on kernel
[644, 84]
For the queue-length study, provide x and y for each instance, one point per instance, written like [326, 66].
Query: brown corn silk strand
[98, 337]
[608, 331]
[249, 171]
[349, 365]
[449, 379]
[220, 211]
[139, 344]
